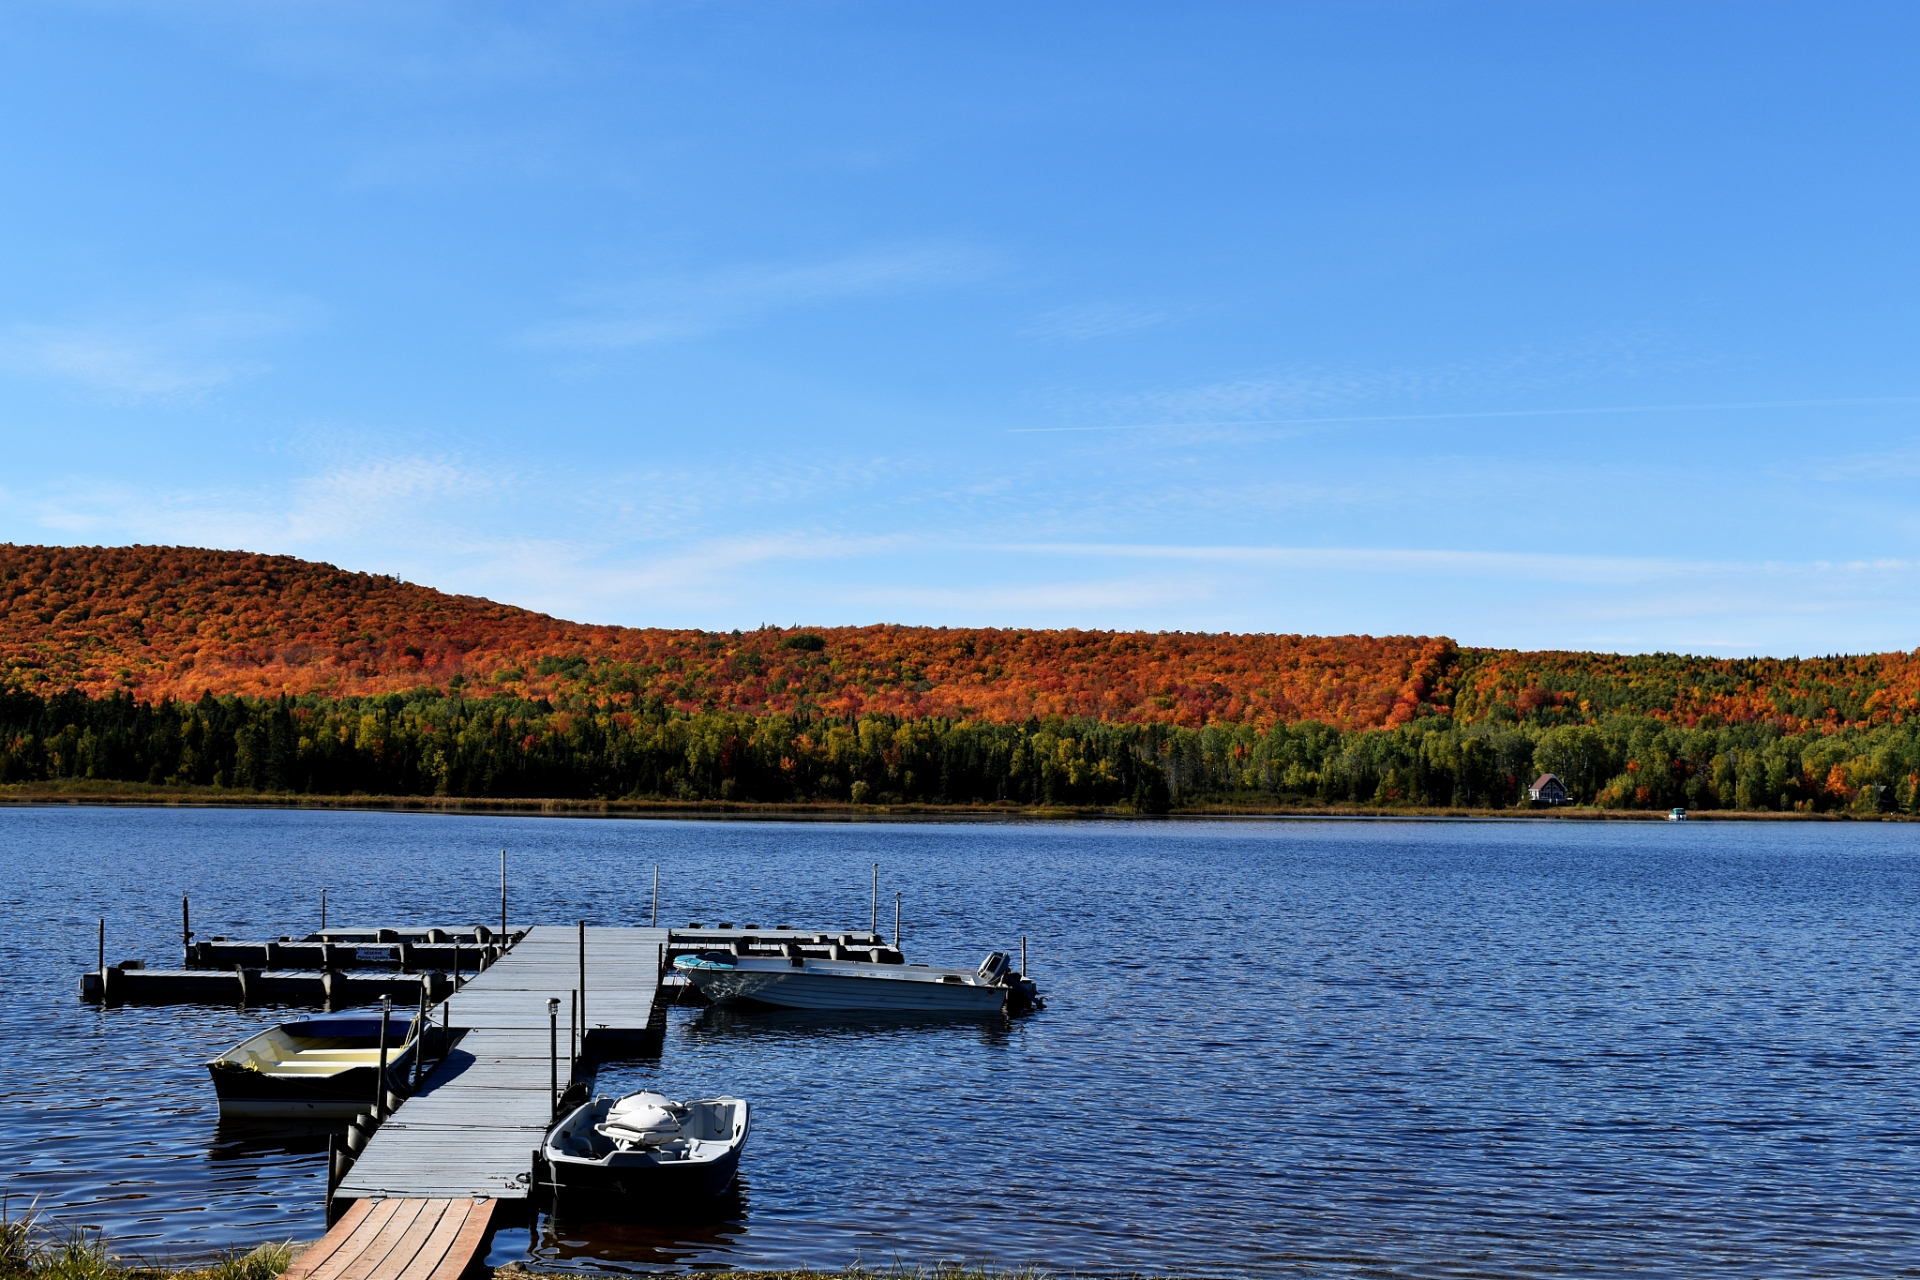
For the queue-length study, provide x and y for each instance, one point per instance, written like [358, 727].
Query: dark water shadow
[240, 1139]
[645, 1234]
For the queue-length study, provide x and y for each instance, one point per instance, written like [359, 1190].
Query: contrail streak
[1480, 413]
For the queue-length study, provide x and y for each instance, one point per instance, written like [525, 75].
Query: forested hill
[171, 622]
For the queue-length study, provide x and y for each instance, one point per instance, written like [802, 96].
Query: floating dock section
[118, 984]
[335, 967]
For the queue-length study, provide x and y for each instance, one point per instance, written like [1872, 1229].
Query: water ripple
[1408, 1049]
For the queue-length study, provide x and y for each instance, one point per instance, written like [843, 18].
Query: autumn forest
[250, 673]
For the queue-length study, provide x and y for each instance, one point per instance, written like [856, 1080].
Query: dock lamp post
[553, 1052]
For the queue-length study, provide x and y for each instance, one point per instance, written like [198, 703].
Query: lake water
[1270, 1048]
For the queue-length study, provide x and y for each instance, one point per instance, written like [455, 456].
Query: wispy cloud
[1062, 603]
[1443, 560]
[1353, 392]
[379, 501]
[144, 356]
[1846, 469]
[1898, 463]
[682, 307]
[1097, 320]
[1379, 560]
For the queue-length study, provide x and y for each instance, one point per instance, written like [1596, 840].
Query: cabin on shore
[1548, 789]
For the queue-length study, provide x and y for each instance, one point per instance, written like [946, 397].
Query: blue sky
[1544, 325]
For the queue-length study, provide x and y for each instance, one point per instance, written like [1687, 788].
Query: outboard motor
[994, 968]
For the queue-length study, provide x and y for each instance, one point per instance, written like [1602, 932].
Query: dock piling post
[896, 921]
[456, 964]
[873, 920]
[583, 973]
[553, 1053]
[573, 1038]
[380, 1082]
[420, 1034]
[186, 931]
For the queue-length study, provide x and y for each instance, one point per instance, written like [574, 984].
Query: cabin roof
[1544, 779]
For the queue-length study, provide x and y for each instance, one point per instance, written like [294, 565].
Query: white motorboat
[799, 981]
[645, 1147]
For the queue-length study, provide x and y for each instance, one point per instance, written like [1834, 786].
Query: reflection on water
[1269, 1049]
[640, 1238]
[262, 1139]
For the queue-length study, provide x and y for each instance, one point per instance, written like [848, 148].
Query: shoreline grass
[32, 1249]
[87, 792]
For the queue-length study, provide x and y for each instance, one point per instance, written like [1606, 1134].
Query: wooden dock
[471, 1129]
[437, 1239]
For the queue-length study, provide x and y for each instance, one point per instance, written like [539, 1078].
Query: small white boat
[797, 981]
[1676, 815]
[646, 1147]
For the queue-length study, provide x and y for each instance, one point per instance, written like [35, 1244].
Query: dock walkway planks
[472, 1128]
[432, 1239]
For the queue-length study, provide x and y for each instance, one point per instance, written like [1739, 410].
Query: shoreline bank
[136, 795]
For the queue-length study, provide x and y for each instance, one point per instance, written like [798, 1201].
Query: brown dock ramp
[400, 1239]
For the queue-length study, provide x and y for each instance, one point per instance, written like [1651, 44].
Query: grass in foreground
[30, 1250]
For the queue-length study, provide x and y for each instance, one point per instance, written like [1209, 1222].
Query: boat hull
[278, 1074]
[843, 992]
[256, 1096]
[577, 1183]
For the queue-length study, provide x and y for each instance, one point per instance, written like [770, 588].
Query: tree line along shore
[435, 743]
